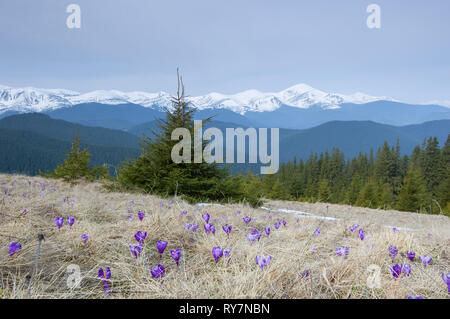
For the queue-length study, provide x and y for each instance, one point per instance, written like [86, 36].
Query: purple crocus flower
[353, 227]
[412, 297]
[446, 279]
[206, 217]
[343, 251]
[277, 225]
[106, 274]
[284, 223]
[262, 261]
[136, 250]
[395, 229]
[25, 211]
[170, 202]
[70, 220]
[398, 270]
[410, 255]
[207, 228]
[188, 226]
[158, 271]
[246, 219]
[141, 215]
[184, 212]
[267, 230]
[176, 254]
[161, 246]
[393, 251]
[305, 273]
[84, 238]
[194, 227]
[425, 260]
[313, 249]
[217, 252]
[361, 234]
[227, 229]
[227, 252]
[13, 248]
[213, 229]
[252, 237]
[59, 221]
[140, 236]
[317, 231]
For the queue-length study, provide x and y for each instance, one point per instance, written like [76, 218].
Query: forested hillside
[385, 179]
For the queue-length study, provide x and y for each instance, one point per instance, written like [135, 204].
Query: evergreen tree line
[420, 182]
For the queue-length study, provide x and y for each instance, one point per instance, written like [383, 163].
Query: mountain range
[297, 107]
[35, 142]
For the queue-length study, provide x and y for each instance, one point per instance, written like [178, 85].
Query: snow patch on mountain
[301, 95]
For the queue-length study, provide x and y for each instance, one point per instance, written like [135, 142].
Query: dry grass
[104, 215]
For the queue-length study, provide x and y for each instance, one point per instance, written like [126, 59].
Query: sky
[229, 46]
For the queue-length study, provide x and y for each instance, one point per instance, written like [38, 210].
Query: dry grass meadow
[104, 216]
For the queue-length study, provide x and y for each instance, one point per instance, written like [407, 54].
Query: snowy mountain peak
[300, 95]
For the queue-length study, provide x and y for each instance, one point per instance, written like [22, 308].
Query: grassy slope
[104, 217]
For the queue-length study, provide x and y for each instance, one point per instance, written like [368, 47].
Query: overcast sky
[229, 46]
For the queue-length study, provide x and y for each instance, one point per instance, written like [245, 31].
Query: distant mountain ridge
[301, 96]
[33, 142]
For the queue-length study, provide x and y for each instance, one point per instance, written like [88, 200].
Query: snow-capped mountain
[301, 96]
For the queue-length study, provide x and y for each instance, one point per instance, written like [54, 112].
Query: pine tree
[412, 193]
[354, 190]
[155, 171]
[368, 195]
[324, 191]
[76, 165]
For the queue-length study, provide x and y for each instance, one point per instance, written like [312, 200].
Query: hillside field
[304, 262]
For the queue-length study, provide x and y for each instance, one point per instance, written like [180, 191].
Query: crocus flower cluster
[343, 251]
[14, 248]
[262, 261]
[425, 260]
[392, 251]
[353, 227]
[105, 275]
[209, 229]
[191, 227]
[140, 236]
[158, 271]
[402, 269]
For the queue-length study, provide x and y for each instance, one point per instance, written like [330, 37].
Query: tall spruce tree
[155, 171]
[76, 165]
[412, 193]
